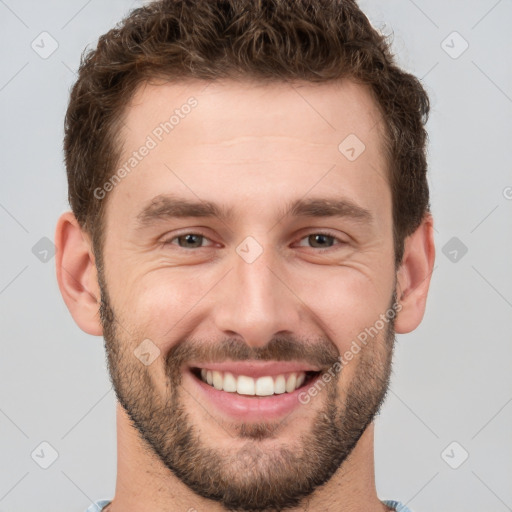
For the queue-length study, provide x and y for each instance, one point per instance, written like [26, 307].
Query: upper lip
[257, 369]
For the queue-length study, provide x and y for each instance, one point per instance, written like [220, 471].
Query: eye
[321, 240]
[188, 240]
[318, 240]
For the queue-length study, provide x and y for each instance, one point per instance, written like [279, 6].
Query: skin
[252, 148]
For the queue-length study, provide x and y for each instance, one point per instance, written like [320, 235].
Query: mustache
[322, 353]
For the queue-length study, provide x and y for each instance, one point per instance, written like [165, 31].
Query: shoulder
[98, 506]
[396, 505]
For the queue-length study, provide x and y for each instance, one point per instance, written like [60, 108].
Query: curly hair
[263, 40]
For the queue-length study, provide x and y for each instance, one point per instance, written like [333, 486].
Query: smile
[266, 385]
[250, 390]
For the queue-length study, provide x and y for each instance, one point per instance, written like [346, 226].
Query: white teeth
[291, 382]
[262, 386]
[217, 380]
[265, 386]
[229, 383]
[280, 385]
[245, 385]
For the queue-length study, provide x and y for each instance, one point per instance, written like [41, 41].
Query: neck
[144, 484]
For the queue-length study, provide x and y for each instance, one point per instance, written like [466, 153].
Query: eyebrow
[327, 207]
[165, 207]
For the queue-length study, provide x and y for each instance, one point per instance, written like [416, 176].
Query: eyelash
[322, 233]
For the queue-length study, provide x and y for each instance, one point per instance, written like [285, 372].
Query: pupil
[189, 239]
[320, 239]
[315, 239]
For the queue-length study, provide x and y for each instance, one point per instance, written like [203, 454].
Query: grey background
[451, 381]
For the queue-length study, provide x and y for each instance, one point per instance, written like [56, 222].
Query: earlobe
[414, 274]
[77, 275]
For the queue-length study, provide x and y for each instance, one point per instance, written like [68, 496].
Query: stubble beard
[251, 478]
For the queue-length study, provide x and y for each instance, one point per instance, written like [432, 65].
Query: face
[248, 283]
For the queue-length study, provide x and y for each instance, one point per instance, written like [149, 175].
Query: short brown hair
[262, 40]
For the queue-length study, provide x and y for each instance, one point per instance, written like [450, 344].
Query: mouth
[253, 391]
[266, 385]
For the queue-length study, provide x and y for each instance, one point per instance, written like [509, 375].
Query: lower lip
[250, 408]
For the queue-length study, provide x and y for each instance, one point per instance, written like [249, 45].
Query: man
[250, 227]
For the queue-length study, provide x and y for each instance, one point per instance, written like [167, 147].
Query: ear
[76, 274]
[413, 278]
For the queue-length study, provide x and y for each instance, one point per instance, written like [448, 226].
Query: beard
[250, 477]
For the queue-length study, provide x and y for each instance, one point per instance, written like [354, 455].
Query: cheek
[345, 301]
[166, 305]
[160, 304]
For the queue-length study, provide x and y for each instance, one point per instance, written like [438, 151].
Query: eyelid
[169, 240]
[340, 241]
[324, 233]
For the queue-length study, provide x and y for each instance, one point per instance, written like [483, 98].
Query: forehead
[246, 136]
[254, 109]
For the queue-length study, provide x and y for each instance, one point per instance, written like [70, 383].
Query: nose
[256, 301]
